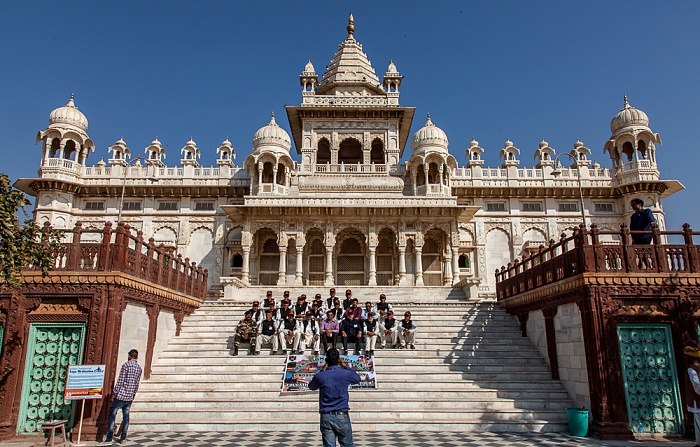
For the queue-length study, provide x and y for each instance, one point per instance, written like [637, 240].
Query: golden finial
[351, 26]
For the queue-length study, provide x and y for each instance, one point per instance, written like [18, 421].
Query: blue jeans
[339, 425]
[113, 410]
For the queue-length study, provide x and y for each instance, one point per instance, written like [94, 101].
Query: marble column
[455, 265]
[298, 281]
[245, 268]
[447, 280]
[282, 277]
[402, 266]
[372, 267]
[419, 266]
[329, 266]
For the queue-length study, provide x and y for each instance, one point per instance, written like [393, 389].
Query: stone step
[396, 374]
[472, 370]
[385, 424]
[432, 338]
[381, 367]
[263, 359]
[365, 400]
[462, 348]
[188, 382]
[309, 413]
[379, 394]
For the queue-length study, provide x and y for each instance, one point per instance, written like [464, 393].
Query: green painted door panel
[51, 348]
[650, 378]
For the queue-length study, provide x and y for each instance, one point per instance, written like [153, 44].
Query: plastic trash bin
[578, 421]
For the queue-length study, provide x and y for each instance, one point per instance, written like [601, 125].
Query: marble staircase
[471, 371]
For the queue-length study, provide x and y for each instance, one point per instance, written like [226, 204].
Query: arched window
[154, 155]
[237, 261]
[433, 174]
[420, 176]
[463, 261]
[642, 149]
[627, 149]
[376, 156]
[55, 148]
[280, 174]
[350, 151]
[69, 149]
[323, 154]
[267, 172]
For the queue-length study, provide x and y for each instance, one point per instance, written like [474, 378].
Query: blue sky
[490, 70]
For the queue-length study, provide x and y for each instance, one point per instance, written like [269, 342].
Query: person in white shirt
[310, 334]
[371, 331]
[693, 371]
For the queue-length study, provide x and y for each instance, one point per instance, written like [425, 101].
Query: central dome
[628, 116]
[272, 135]
[429, 135]
[69, 114]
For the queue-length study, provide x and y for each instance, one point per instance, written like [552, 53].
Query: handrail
[117, 250]
[584, 252]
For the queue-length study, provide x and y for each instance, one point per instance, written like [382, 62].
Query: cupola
[271, 138]
[120, 153]
[429, 137]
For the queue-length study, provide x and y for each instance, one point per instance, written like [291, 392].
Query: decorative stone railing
[117, 250]
[584, 252]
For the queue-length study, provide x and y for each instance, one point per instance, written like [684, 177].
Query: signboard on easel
[84, 382]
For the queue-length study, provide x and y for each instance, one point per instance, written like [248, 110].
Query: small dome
[628, 116]
[226, 143]
[429, 135]
[473, 143]
[578, 144]
[543, 144]
[272, 135]
[69, 114]
[392, 68]
[309, 68]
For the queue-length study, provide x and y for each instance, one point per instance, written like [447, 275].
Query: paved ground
[364, 439]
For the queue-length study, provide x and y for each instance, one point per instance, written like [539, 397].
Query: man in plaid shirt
[124, 391]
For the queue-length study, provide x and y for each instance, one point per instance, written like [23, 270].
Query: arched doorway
[432, 258]
[350, 151]
[385, 258]
[268, 273]
[315, 258]
[350, 258]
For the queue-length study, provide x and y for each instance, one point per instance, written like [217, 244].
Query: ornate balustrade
[117, 250]
[584, 252]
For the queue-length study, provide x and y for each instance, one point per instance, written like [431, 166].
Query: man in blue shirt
[333, 382]
[641, 220]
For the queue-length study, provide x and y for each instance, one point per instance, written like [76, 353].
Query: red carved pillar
[153, 312]
[116, 304]
[608, 406]
[11, 363]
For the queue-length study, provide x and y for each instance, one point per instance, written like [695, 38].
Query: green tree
[22, 244]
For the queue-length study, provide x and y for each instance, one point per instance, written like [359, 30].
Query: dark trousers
[356, 339]
[113, 410]
[333, 339]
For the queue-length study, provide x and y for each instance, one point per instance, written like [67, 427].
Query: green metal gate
[51, 348]
[649, 374]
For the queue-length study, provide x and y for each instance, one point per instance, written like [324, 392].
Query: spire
[351, 27]
[627, 104]
[71, 102]
[272, 119]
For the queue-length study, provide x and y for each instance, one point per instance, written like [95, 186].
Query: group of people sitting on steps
[324, 322]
